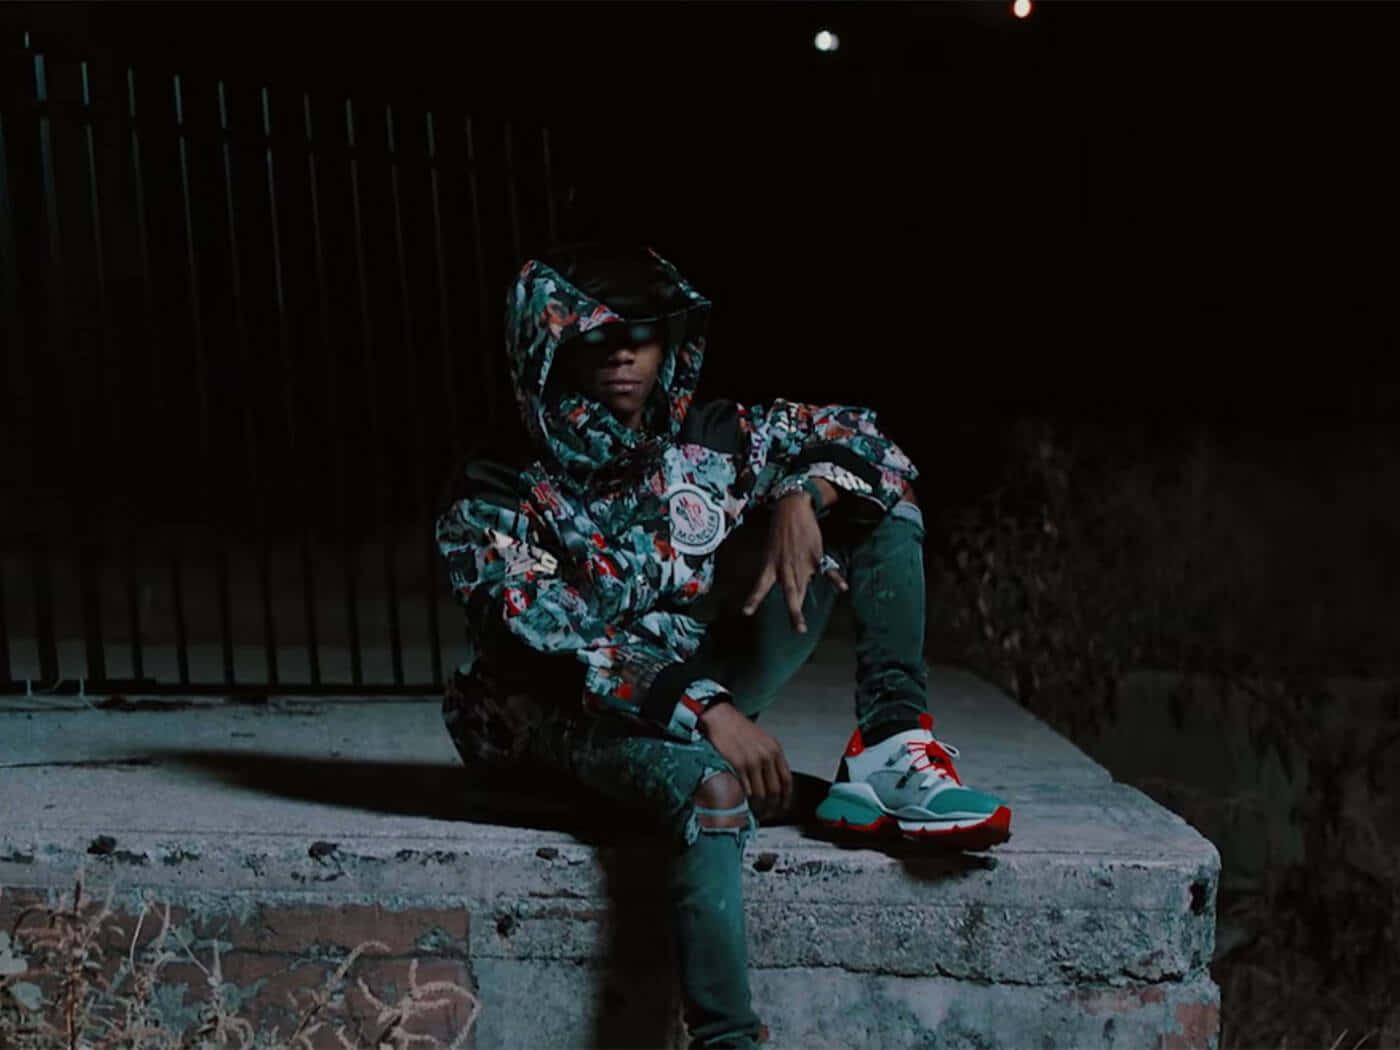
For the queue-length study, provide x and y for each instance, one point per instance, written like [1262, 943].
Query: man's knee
[720, 802]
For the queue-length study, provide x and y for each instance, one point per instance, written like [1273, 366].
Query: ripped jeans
[754, 656]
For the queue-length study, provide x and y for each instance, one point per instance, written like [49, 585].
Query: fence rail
[248, 331]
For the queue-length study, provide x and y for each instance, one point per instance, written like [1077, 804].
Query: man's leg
[894, 775]
[691, 795]
[884, 565]
[885, 570]
[755, 656]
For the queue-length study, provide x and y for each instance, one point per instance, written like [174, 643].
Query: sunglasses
[620, 334]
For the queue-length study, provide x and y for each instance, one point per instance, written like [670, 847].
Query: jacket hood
[548, 307]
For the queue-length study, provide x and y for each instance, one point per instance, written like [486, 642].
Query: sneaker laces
[934, 759]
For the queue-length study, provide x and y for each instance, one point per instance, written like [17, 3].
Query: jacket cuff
[676, 700]
[695, 701]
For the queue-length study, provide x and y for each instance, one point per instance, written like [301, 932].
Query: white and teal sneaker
[906, 785]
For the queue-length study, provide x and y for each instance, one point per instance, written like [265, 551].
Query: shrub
[1093, 559]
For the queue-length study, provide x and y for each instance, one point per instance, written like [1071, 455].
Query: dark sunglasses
[620, 334]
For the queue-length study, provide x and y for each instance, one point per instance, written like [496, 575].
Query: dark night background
[1145, 213]
[1151, 224]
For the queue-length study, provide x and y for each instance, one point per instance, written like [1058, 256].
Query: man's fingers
[834, 575]
[784, 778]
[766, 579]
[772, 780]
[795, 590]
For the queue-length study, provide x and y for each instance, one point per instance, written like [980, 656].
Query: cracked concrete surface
[1093, 926]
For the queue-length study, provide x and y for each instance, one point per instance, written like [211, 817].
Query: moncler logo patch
[696, 522]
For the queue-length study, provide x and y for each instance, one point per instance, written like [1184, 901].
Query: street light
[826, 41]
[1022, 8]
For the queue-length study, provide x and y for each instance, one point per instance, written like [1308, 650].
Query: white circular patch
[696, 522]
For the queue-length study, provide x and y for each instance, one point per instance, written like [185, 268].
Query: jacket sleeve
[507, 581]
[841, 444]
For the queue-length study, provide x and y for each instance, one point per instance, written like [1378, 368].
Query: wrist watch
[803, 484]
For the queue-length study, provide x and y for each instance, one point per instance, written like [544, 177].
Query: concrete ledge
[304, 827]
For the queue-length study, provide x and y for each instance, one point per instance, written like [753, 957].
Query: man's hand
[755, 754]
[794, 554]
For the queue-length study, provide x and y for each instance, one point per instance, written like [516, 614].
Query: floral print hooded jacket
[599, 550]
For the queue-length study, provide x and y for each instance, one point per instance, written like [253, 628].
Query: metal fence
[247, 332]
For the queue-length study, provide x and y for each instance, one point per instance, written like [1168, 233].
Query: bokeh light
[826, 41]
[1022, 8]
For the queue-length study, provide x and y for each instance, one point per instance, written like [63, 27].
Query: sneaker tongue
[926, 721]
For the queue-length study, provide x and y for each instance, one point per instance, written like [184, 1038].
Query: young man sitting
[639, 593]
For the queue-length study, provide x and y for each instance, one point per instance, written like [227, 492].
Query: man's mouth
[620, 385]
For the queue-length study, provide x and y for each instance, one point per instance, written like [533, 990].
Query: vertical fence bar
[405, 310]
[366, 328]
[269, 615]
[9, 304]
[143, 243]
[192, 262]
[18, 372]
[548, 158]
[133, 618]
[221, 583]
[90, 563]
[284, 345]
[405, 351]
[449, 385]
[182, 636]
[449, 377]
[57, 316]
[143, 246]
[484, 409]
[202, 386]
[41, 572]
[57, 336]
[352, 612]
[94, 200]
[366, 343]
[5, 673]
[285, 352]
[92, 613]
[512, 194]
[323, 303]
[230, 218]
[280, 301]
[430, 592]
[478, 251]
[240, 329]
[308, 598]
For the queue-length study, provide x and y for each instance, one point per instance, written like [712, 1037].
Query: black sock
[884, 730]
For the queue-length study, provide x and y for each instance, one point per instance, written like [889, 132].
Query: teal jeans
[754, 656]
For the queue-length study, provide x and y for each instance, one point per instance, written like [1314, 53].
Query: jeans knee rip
[695, 825]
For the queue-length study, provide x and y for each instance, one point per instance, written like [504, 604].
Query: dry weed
[56, 991]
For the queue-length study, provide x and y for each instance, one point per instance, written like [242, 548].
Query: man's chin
[622, 407]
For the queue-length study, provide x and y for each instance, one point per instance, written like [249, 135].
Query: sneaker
[906, 784]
